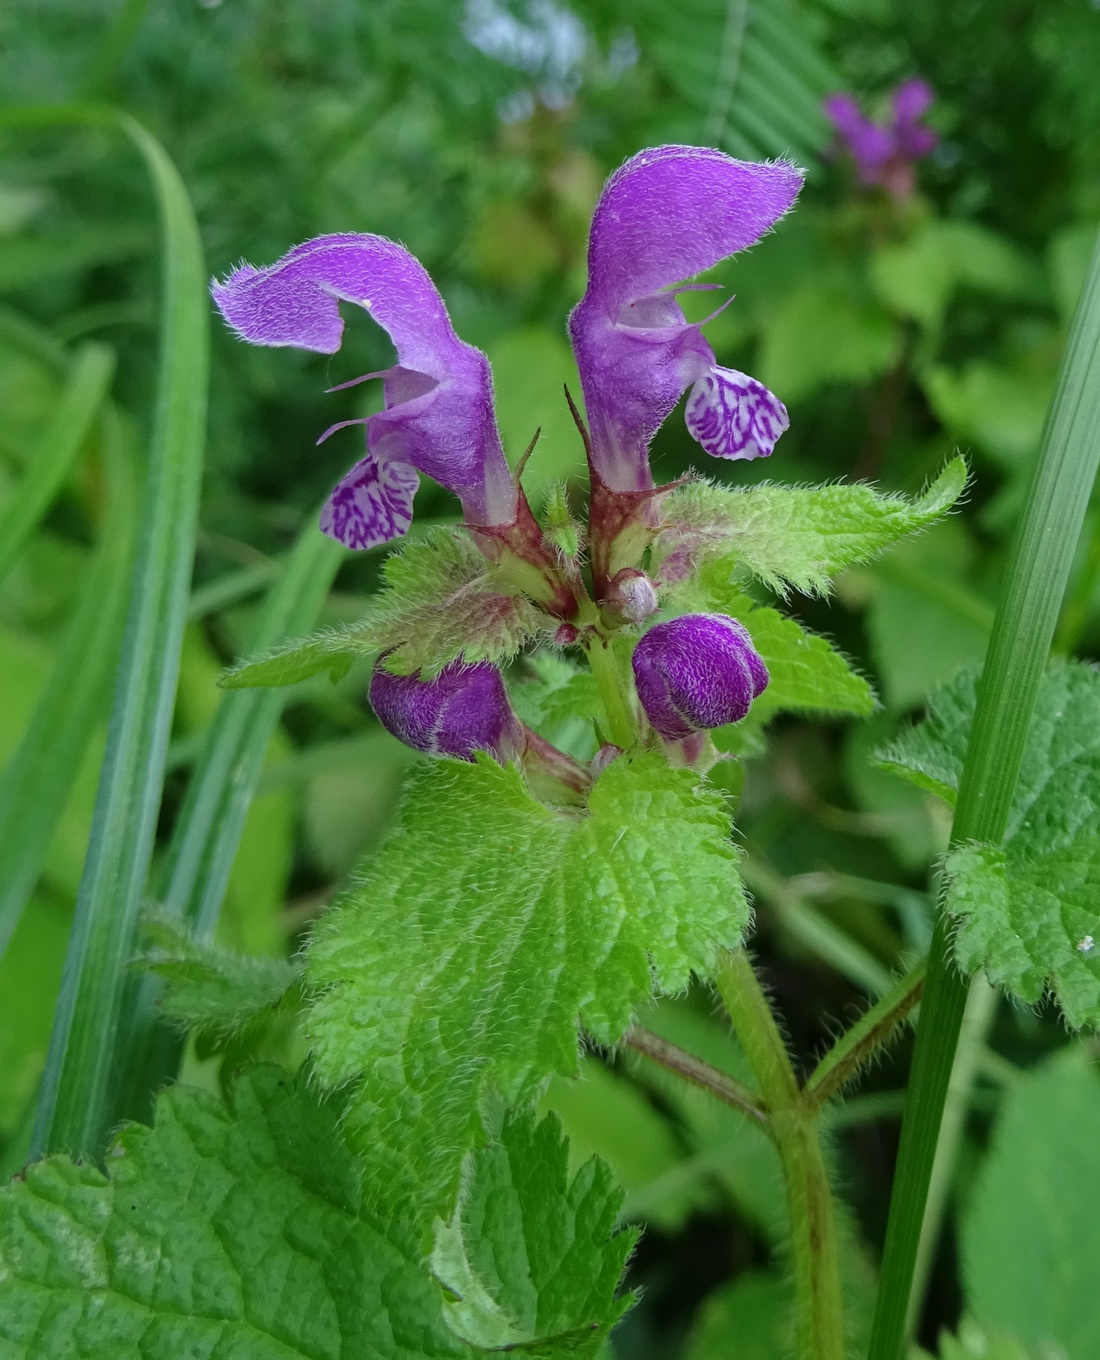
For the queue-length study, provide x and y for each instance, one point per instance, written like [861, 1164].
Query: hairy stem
[699, 1073]
[814, 1256]
[611, 681]
[872, 1031]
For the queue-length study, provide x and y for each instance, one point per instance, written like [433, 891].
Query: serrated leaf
[440, 601]
[1027, 912]
[796, 537]
[213, 992]
[487, 928]
[530, 1257]
[1031, 1233]
[217, 1233]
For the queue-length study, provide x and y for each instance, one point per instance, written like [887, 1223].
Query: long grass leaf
[36, 782]
[210, 824]
[77, 1098]
[51, 461]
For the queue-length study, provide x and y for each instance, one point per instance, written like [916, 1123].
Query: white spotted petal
[733, 416]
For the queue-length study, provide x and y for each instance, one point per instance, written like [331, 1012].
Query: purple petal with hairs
[664, 216]
[439, 397]
[462, 710]
[696, 672]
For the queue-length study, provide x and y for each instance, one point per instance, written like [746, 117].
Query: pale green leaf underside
[530, 1256]
[1029, 913]
[218, 1236]
[487, 928]
[211, 991]
[793, 536]
[440, 602]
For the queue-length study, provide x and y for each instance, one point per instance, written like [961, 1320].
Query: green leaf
[792, 536]
[217, 1232]
[560, 702]
[486, 927]
[917, 276]
[529, 1256]
[822, 333]
[93, 366]
[751, 80]
[38, 782]
[1031, 1236]
[756, 1309]
[215, 993]
[530, 369]
[606, 1114]
[440, 601]
[1026, 912]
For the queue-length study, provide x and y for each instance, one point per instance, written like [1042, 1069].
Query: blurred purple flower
[438, 417]
[884, 155]
[697, 672]
[664, 216]
[464, 709]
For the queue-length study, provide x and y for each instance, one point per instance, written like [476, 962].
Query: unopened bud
[631, 597]
[697, 672]
[462, 710]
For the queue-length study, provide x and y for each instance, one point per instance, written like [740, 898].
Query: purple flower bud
[462, 710]
[697, 672]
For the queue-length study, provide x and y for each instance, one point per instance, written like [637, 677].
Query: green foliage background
[894, 337]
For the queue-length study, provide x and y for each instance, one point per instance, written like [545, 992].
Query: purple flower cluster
[885, 153]
[663, 217]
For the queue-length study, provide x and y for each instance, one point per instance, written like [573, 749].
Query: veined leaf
[530, 1256]
[792, 536]
[486, 929]
[245, 1232]
[1027, 911]
[440, 602]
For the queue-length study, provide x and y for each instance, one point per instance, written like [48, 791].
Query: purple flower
[884, 155]
[463, 710]
[663, 217]
[438, 416]
[697, 672]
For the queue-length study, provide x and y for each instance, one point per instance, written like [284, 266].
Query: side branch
[872, 1031]
[699, 1073]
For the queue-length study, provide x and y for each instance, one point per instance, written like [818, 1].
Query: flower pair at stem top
[663, 217]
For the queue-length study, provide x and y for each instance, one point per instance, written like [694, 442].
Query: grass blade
[89, 382]
[211, 821]
[1038, 569]
[76, 1100]
[36, 782]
